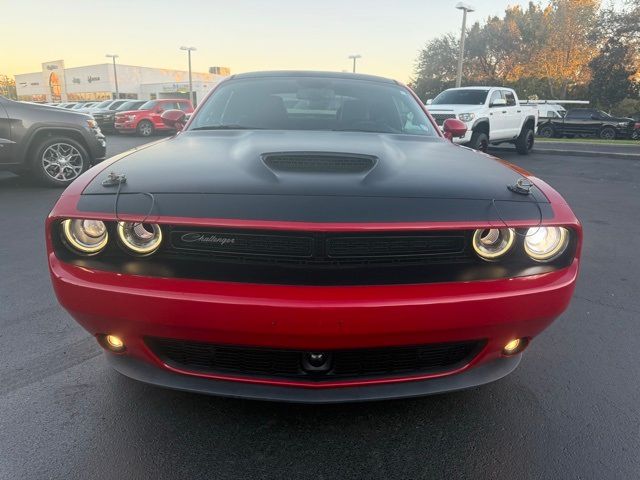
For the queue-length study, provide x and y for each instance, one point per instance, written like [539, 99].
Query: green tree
[435, 69]
[611, 75]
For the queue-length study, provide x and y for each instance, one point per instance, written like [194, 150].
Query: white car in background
[493, 115]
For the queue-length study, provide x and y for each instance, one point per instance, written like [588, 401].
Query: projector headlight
[466, 117]
[546, 243]
[140, 238]
[87, 237]
[491, 243]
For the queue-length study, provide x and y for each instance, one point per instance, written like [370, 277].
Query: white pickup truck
[493, 115]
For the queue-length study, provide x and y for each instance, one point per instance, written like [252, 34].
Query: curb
[579, 153]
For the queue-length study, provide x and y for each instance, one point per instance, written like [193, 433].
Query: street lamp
[191, 97]
[115, 73]
[465, 7]
[354, 58]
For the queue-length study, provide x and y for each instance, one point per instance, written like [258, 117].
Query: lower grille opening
[341, 364]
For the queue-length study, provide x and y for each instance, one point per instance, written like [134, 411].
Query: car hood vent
[319, 162]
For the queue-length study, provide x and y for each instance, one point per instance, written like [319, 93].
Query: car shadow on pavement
[453, 435]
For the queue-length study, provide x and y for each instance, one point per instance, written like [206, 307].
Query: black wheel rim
[607, 134]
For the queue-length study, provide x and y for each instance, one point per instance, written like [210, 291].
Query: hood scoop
[309, 162]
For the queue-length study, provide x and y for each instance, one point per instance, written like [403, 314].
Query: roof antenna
[522, 186]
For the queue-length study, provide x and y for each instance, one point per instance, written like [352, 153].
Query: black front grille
[441, 117]
[342, 364]
[318, 249]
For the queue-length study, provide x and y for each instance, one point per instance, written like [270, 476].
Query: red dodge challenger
[312, 237]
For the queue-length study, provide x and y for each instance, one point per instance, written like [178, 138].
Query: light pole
[354, 58]
[465, 7]
[191, 97]
[115, 73]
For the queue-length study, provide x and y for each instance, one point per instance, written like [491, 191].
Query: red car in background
[146, 121]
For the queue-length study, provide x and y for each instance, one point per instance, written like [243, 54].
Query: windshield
[310, 103]
[129, 106]
[461, 97]
[148, 105]
[103, 104]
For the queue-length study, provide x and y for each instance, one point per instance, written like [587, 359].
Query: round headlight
[546, 243]
[85, 236]
[491, 243]
[140, 238]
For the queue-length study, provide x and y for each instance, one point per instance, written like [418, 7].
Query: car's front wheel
[145, 128]
[58, 161]
[607, 133]
[479, 141]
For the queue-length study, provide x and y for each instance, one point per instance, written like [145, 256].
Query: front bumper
[142, 371]
[311, 318]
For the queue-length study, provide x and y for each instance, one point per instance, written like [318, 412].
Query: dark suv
[587, 121]
[54, 144]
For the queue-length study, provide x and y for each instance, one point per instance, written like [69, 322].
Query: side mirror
[429, 101]
[499, 102]
[595, 116]
[174, 119]
[454, 128]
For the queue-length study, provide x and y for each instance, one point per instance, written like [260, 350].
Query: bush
[626, 107]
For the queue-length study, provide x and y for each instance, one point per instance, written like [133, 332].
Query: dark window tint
[579, 114]
[313, 103]
[510, 98]
[461, 97]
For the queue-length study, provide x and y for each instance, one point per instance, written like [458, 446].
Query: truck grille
[441, 117]
[341, 364]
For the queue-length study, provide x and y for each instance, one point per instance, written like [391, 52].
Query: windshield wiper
[227, 127]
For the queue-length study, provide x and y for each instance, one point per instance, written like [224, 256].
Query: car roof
[476, 88]
[313, 74]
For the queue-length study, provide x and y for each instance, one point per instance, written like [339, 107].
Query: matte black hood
[232, 162]
[256, 175]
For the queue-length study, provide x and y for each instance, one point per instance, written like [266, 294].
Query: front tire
[524, 143]
[58, 161]
[145, 128]
[479, 141]
[546, 131]
[608, 133]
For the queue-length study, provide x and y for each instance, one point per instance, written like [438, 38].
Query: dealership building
[55, 83]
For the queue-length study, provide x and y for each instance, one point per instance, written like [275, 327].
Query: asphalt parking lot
[569, 411]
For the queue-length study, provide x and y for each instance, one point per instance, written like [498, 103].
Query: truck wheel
[608, 133]
[546, 131]
[479, 141]
[145, 128]
[58, 161]
[524, 143]
[636, 134]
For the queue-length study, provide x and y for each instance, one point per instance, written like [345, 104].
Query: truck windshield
[461, 97]
[313, 103]
[151, 104]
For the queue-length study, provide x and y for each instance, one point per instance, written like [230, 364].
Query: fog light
[113, 343]
[515, 346]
